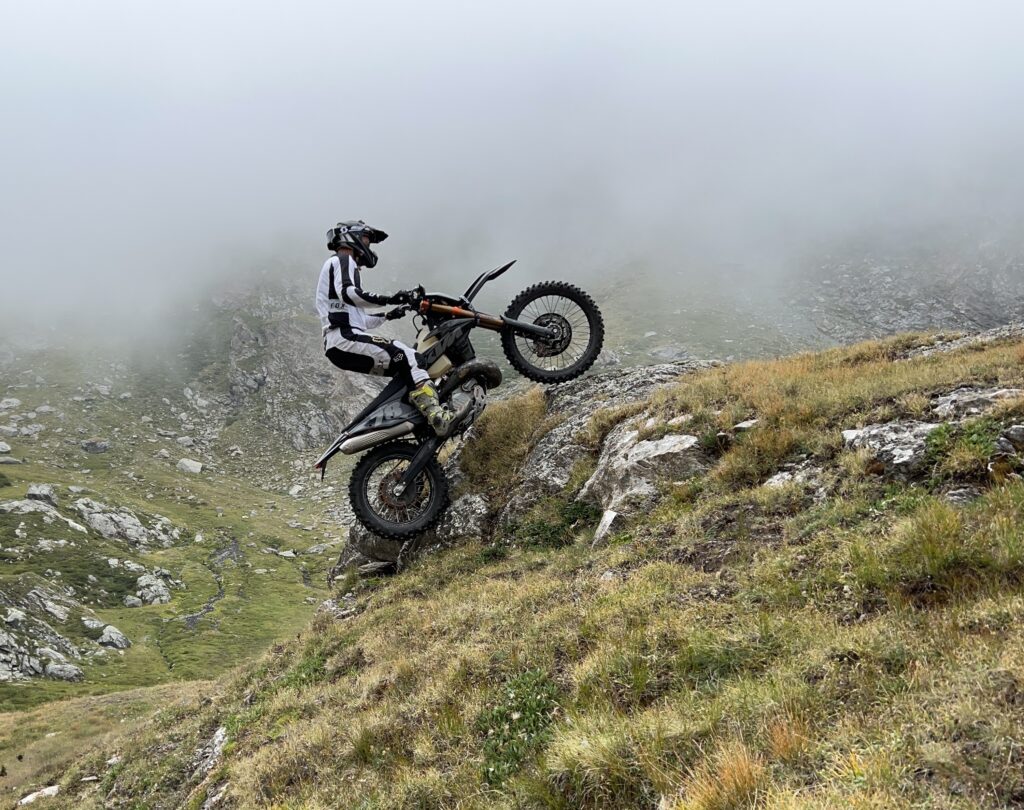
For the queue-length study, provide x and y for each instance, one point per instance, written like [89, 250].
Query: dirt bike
[552, 332]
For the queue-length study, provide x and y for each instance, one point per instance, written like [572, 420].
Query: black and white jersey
[341, 301]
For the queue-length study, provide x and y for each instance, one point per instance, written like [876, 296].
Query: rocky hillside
[789, 583]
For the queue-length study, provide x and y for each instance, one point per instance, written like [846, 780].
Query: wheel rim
[390, 505]
[574, 333]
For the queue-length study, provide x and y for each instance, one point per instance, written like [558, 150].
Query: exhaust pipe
[364, 440]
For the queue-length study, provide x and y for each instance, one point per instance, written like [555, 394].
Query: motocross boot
[440, 417]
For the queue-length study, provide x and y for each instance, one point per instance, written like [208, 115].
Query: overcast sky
[146, 146]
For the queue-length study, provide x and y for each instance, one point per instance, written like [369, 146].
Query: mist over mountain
[149, 157]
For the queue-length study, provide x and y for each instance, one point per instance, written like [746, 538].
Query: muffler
[364, 440]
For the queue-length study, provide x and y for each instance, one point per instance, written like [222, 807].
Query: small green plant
[517, 723]
[4, 481]
[554, 523]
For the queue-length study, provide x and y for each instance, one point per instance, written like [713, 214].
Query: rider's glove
[395, 314]
[403, 297]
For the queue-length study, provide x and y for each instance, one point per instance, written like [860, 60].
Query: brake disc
[550, 347]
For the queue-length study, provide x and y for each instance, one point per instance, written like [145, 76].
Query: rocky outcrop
[466, 518]
[152, 590]
[571, 406]
[123, 524]
[899, 447]
[966, 402]
[39, 639]
[112, 637]
[629, 470]
[624, 482]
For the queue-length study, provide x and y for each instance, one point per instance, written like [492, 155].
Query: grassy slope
[740, 647]
[227, 504]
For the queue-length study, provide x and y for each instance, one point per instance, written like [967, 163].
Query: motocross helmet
[346, 235]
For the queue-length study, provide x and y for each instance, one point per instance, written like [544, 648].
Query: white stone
[7, 403]
[745, 425]
[152, 590]
[5, 447]
[295, 490]
[112, 637]
[189, 465]
[14, 616]
[45, 793]
[629, 470]
[899, 446]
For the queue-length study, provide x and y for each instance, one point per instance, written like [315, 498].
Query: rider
[343, 307]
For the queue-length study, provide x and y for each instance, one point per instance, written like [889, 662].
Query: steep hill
[789, 583]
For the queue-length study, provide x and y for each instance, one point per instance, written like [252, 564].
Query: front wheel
[378, 504]
[578, 327]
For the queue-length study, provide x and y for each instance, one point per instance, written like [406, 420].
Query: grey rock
[746, 425]
[971, 401]
[45, 793]
[899, 446]
[629, 470]
[52, 655]
[962, 496]
[9, 403]
[152, 590]
[186, 441]
[9, 460]
[63, 672]
[112, 637]
[5, 447]
[14, 616]
[93, 623]
[8, 431]
[132, 601]
[1015, 435]
[32, 430]
[803, 473]
[42, 492]
[96, 445]
[191, 466]
[120, 524]
[550, 463]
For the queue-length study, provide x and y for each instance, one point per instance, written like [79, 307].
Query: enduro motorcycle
[552, 332]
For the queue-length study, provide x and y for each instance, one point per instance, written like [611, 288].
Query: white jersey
[342, 303]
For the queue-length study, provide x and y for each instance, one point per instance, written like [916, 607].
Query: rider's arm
[352, 291]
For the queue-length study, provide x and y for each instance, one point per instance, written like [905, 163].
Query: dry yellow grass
[729, 780]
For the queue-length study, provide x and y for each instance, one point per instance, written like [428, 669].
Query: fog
[149, 148]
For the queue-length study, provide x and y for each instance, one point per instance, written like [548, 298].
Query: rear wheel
[378, 504]
[576, 322]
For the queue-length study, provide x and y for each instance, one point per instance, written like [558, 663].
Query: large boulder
[152, 590]
[112, 637]
[63, 672]
[899, 447]
[629, 470]
[191, 466]
[550, 464]
[42, 492]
